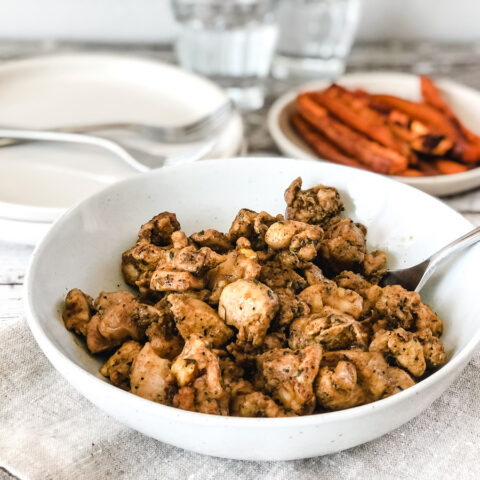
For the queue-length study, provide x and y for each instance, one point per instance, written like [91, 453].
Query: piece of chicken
[140, 261]
[332, 329]
[353, 281]
[337, 387]
[78, 311]
[328, 294]
[276, 275]
[313, 273]
[403, 347]
[197, 371]
[150, 377]
[173, 280]
[427, 319]
[255, 404]
[192, 316]
[288, 375]
[314, 205]
[399, 380]
[344, 245]
[398, 306]
[117, 319]
[249, 306]
[253, 226]
[290, 307]
[433, 349]
[241, 263]
[159, 229]
[300, 239]
[213, 239]
[119, 366]
[371, 369]
[374, 265]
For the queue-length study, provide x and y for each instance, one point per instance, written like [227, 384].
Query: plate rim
[290, 149]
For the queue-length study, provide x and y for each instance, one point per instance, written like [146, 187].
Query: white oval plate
[83, 249]
[465, 102]
[39, 181]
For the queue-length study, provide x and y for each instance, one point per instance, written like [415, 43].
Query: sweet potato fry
[411, 172]
[448, 167]
[371, 154]
[421, 111]
[359, 117]
[428, 168]
[431, 95]
[320, 144]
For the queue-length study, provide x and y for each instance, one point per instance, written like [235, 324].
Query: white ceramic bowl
[464, 101]
[83, 250]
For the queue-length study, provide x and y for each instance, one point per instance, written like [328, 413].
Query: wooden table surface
[457, 62]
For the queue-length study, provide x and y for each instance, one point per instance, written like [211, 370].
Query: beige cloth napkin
[48, 431]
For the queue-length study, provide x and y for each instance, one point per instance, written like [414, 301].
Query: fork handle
[439, 257]
[52, 136]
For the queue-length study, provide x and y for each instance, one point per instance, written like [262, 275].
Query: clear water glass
[315, 37]
[230, 41]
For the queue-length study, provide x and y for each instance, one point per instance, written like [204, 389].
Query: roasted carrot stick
[411, 172]
[359, 117]
[431, 95]
[320, 144]
[371, 154]
[448, 167]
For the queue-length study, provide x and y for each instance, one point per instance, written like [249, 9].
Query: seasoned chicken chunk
[150, 377]
[117, 319]
[371, 369]
[275, 275]
[353, 281]
[255, 404]
[159, 229]
[78, 311]
[239, 263]
[288, 375]
[192, 316]
[213, 239]
[399, 380]
[433, 349]
[173, 280]
[249, 306]
[332, 329]
[337, 387]
[398, 306]
[300, 239]
[344, 245]
[314, 205]
[290, 307]
[197, 371]
[426, 319]
[403, 347]
[119, 366]
[328, 294]
[140, 261]
[253, 226]
[374, 265]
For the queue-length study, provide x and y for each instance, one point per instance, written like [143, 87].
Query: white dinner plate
[465, 102]
[60, 90]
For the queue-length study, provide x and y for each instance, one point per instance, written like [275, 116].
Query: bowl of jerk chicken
[233, 308]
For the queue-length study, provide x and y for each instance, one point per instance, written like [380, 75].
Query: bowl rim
[286, 99]
[56, 357]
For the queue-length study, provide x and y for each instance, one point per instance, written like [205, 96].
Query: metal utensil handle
[437, 258]
[45, 135]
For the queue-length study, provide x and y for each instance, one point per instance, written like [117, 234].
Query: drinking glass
[230, 41]
[315, 37]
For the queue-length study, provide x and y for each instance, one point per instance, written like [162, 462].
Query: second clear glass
[315, 37]
[230, 41]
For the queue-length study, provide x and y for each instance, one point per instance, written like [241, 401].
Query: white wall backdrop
[151, 20]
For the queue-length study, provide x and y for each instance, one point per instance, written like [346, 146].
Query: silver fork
[138, 159]
[414, 278]
[190, 132]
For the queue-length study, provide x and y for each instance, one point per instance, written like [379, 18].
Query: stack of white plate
[39, 181]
